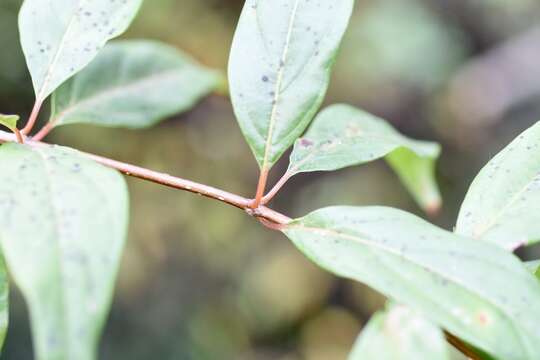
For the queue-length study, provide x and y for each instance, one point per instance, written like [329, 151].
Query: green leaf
[9, 121]
[279, 69]
[475, 290]
[133, 84]
[60, 37]
[343, 136]
[400, 333]
[533, 267]
[63, 222]
[502, 204]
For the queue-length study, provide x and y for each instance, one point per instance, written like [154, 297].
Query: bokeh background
[200, 280]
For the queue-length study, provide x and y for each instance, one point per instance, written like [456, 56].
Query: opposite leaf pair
[279, 70]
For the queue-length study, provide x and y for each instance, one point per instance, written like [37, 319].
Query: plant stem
[18, 135]
[45, 130]
[268, 197]
[462, 347]
[33, 117]
[260, 212]
[261, 187]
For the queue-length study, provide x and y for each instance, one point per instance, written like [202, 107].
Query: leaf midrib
[56, 215]
[393, 140]
[111, 92]
[277, 89]
[59, 50]
[480, 231]
[394, 252]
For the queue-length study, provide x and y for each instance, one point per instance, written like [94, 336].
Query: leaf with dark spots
[343, 136]
[60, 215]
[279, 72]
[475, 290]
[132, 84]
[502, 204]
[60, 37]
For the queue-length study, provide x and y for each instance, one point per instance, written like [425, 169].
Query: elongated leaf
[503, 203]
[133, 84]
[9, 121]
[400, 333]
[60, 37]
[343, 136]
[473, 289]
[62, 228]
[279, 69]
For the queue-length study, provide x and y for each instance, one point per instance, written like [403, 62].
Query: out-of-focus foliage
[195, 286]
[400, 333]
[132, 84]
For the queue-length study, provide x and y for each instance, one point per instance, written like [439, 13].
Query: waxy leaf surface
[279, 68]
[343, 136]
[477, 291]
[60, 37]
[132, 84]
[502, 205]
[63, 222]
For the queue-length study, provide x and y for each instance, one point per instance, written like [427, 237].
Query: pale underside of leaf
[60, 37]
[63, 223]
[400, 333]
[501, 205]
[279, 69]
[474, 290]
[343, 136]
[133, 84]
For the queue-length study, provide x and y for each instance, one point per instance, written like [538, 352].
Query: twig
[261, 187]
[462, 347]
[33, 117]
[238, 201]
[45, 130]
[268, 197]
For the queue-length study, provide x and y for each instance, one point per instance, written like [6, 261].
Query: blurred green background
[200, 280]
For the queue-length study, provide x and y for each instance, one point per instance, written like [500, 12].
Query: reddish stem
[33, 117]
[261, 212]
[462, 347]
[18, 135]
[261, 187]
[40, 135]
[272, 193]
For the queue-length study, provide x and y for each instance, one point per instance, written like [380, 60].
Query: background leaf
[400, 333]
[60, 37]
[343, 136]
[279, 68]
[9, 121]
[133, 84]
[63, 221]
[475, 290]
[501, 205]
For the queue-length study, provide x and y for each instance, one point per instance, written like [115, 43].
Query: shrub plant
[64, 213]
